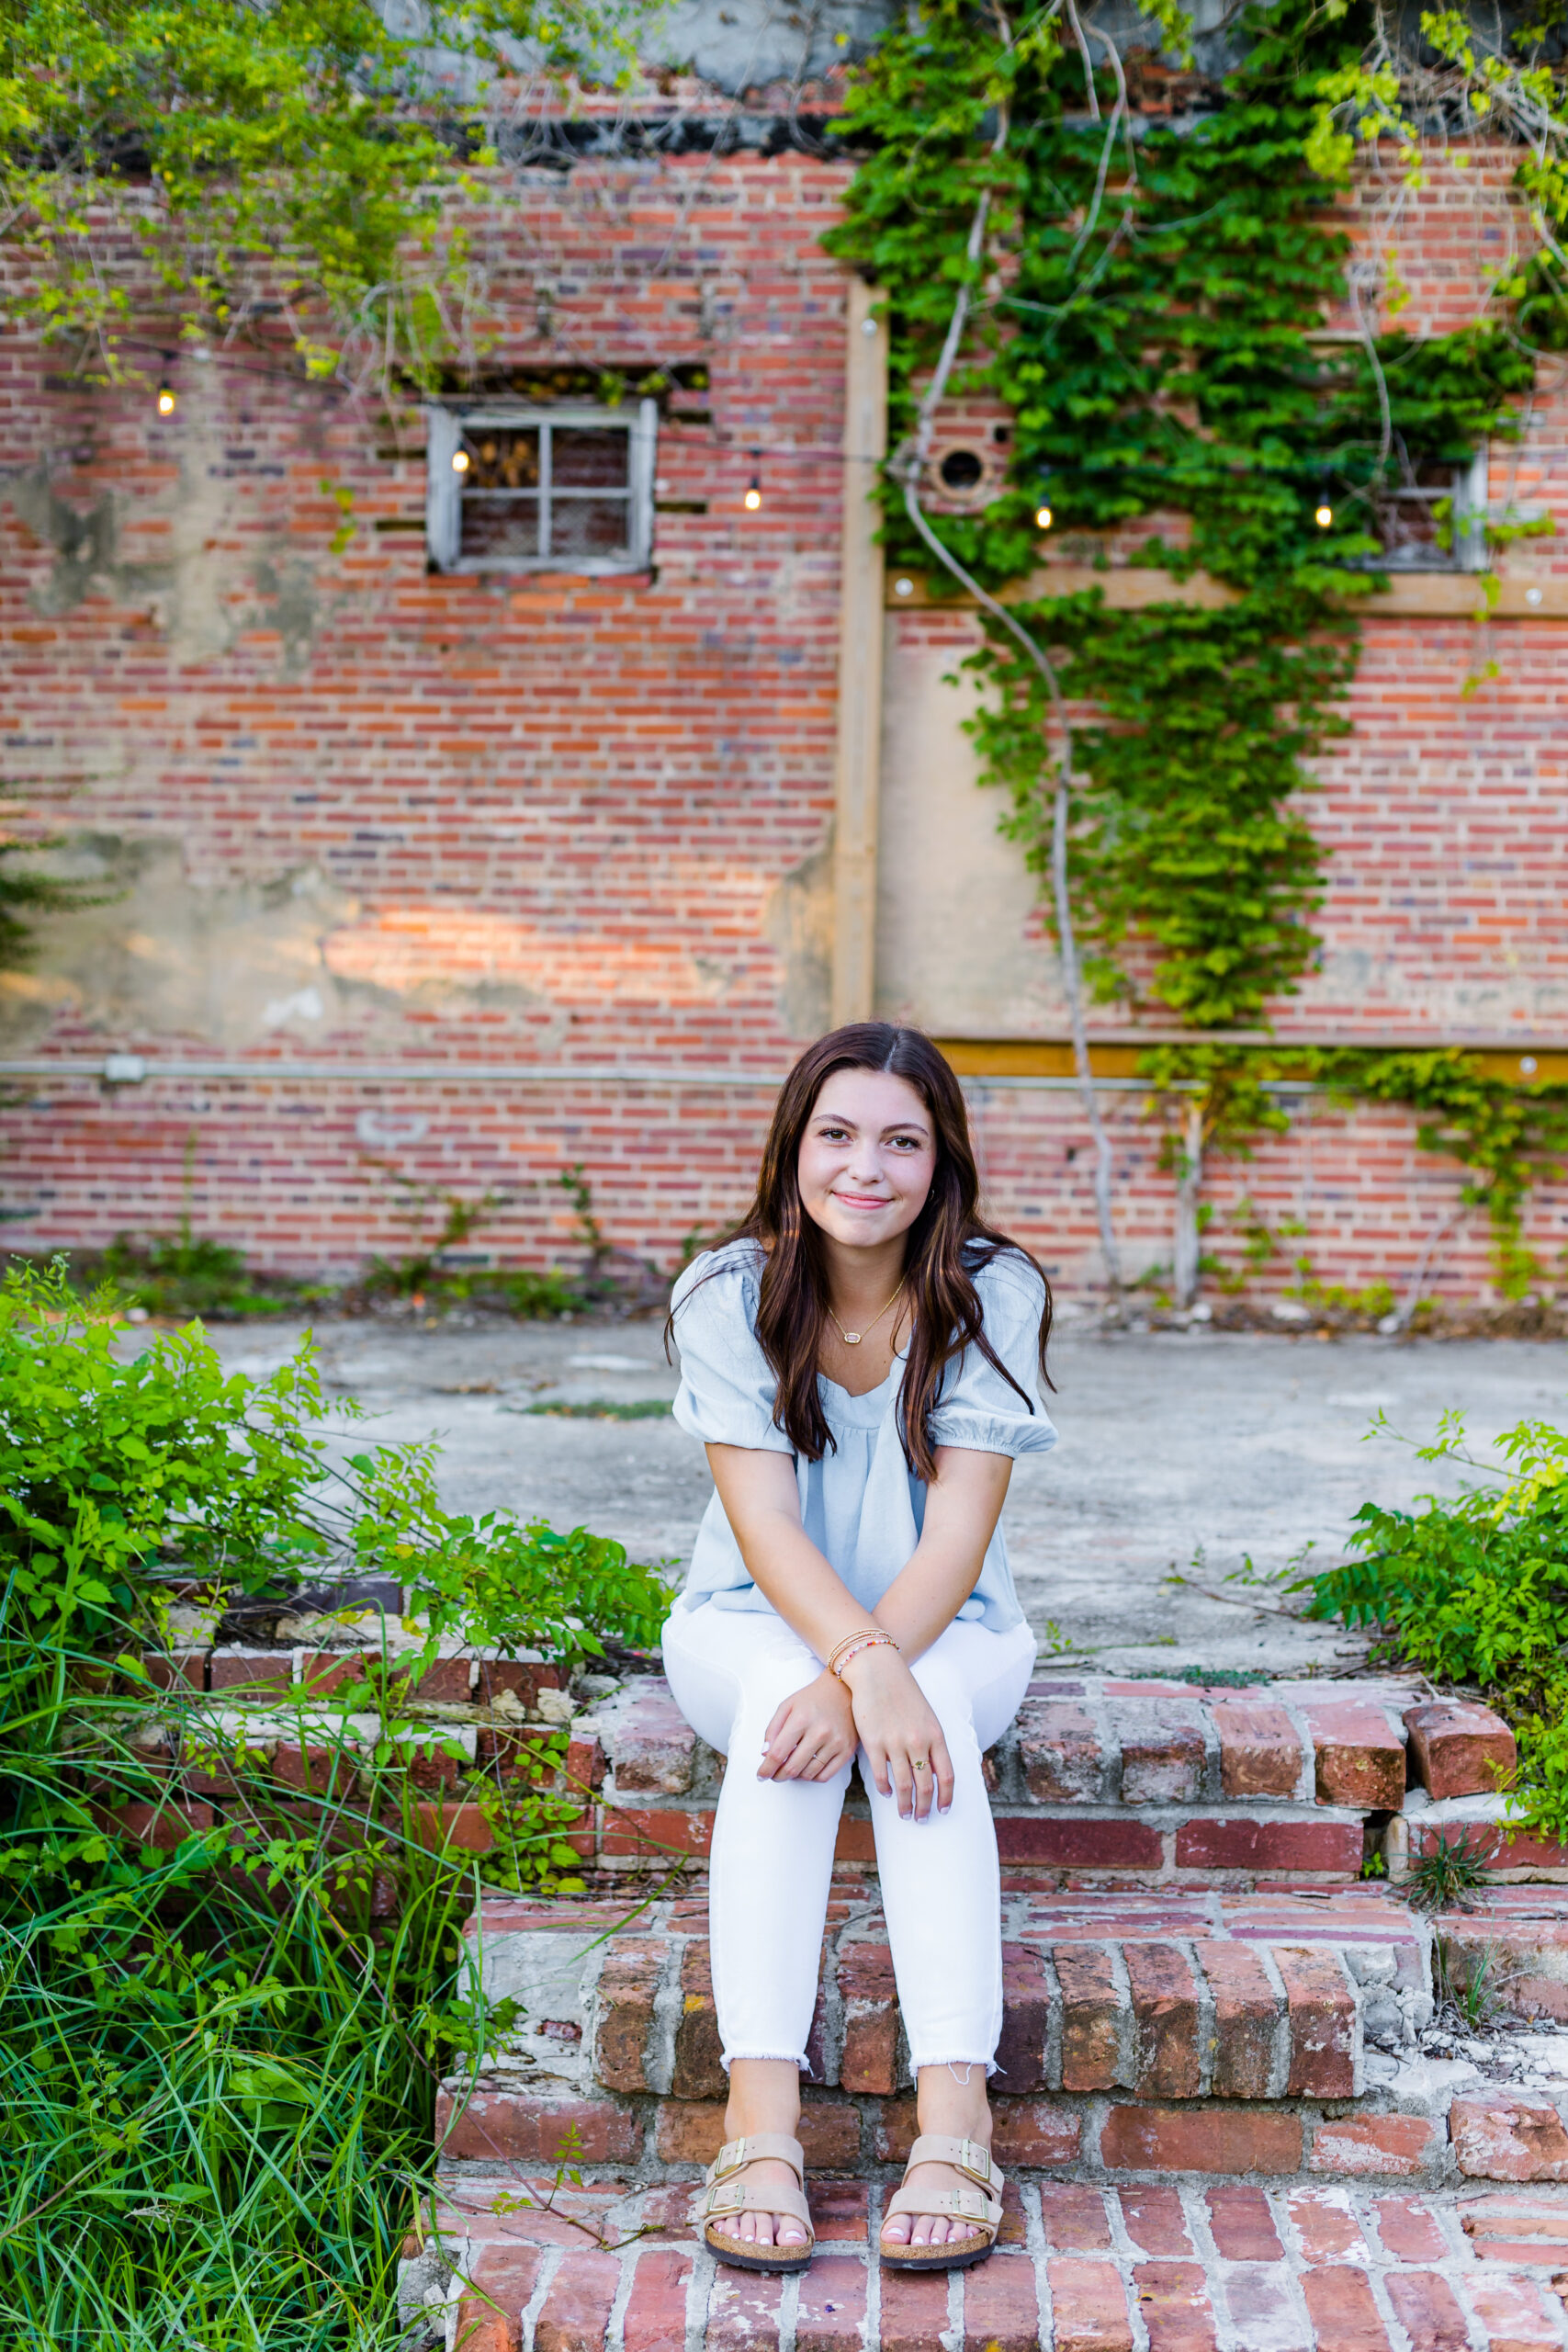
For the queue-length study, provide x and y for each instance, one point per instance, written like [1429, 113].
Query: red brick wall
[576, 822]
[579, 800]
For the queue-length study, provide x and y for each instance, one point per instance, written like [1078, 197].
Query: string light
[460, 461]
[1044, 517]
[166, 398]
[1323, 514]
[754, 494]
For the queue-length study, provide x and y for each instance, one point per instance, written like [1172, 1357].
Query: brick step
[1292, 1781]
[519, 2262]
[1417, 2125]
[1098, 1781]
[1170, 1995]
[1510, 1944]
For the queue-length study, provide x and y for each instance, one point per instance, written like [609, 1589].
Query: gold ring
[921, 1764]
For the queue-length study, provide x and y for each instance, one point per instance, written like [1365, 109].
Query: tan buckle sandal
[723, 2194]
[981, 2206]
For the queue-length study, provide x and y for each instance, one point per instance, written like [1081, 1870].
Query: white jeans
[773, 1843]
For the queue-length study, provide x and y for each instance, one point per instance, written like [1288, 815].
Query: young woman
[863, 1362]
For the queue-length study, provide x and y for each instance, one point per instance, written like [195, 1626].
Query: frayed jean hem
[765, 2058]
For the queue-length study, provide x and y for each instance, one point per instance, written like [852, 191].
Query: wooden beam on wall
[861, 603]
[1438, 595]
[1527, 1060]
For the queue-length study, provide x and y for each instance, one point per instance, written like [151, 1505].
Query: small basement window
[558, 489]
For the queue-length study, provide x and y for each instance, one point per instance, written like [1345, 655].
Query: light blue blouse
[860, 1505]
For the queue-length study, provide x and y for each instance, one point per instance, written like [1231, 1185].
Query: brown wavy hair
[945, 1249]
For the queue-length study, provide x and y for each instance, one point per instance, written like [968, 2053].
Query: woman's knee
[976, 1680]
[947, 1694]
[759, 1702]
[723, 1685]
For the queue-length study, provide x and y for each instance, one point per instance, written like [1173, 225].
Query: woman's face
[867, 1157]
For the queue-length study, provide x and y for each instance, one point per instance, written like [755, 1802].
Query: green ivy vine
[1151, 306]
[1506, 1135]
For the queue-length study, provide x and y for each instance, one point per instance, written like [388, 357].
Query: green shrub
[1473, 1588]
[112, 1471]
[110, 1468]
[221, 2058]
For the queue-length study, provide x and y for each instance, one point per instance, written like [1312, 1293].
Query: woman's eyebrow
[907, 1128]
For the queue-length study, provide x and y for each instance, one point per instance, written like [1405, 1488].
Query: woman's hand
[899, 1730]
[812, 1737]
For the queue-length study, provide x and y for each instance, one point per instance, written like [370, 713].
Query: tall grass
[220, 2051]
[220, 2057]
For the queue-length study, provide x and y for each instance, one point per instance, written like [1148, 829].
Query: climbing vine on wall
[1151, 304]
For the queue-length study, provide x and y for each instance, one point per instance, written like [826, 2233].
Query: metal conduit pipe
[132, 1069]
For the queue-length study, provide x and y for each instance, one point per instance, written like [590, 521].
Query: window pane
[502, 456]
[583, 526]
[502, 529]
[1404, 520]
[585, 458]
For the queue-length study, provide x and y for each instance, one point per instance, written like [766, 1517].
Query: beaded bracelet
[860, 1634]
[851, 1646]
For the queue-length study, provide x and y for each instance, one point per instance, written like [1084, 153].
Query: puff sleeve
[977, 1409]
[728, 1386]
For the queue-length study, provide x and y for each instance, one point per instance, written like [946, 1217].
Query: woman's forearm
[963, 1505]
[761, 1503]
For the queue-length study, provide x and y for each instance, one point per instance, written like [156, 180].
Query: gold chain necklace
[853, 1338]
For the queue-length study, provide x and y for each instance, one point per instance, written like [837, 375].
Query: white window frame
[448, 425]
[1473, 495]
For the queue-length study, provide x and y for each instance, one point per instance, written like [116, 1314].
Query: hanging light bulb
[1044, 517]
[754, 494]
[460, 461]
[1322, 513]
[166, 398]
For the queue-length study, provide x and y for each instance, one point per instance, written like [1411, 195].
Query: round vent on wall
[961, 469]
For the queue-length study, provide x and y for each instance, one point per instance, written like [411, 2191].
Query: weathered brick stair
[1227, 2116]
[1175, 1997]
[1220, 2123]
[1100, 1780]
[521, 2266]
[1297, 1781]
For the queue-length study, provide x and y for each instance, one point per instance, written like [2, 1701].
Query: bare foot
[930, 2229]
[760, 2228]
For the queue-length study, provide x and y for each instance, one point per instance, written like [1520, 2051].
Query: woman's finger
[781, 1738]
[904, 1783]
[803, 1764]
[925, 1785]
[783, 1735]
[877, 1758]
[789, 1750]
[799, 1742]
[941, 1773]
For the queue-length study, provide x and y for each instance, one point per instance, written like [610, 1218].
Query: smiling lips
[865, 1199]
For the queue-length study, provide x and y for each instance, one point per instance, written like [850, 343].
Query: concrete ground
[1179, 1452]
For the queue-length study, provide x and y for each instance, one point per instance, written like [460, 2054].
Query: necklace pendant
[853, 1338]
